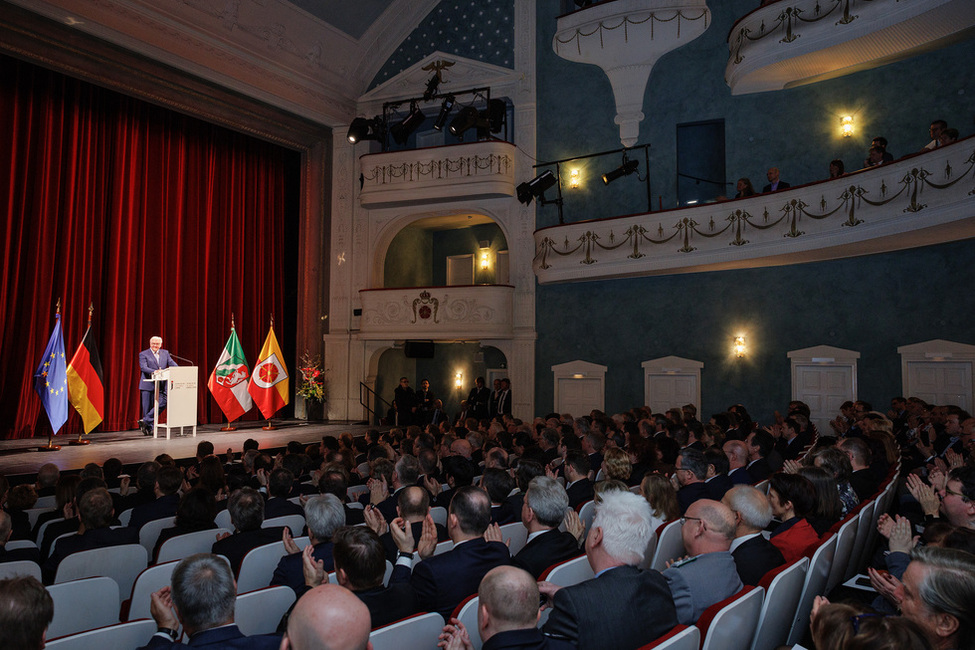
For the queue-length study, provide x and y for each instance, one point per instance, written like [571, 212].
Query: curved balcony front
[452, 313]
[920, 200]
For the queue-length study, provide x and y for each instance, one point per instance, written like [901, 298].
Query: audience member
[662, 497]
[947, 137]
[935, 132]
[828, 508]
[543, 511]
[760, 445]
[717, 481]
[279, 485]
[744, 188]
[939, 595]
[246, 507]
[16, 555]
[168, 481]
[689, 474]
[323, 516]
[26, 609]
[577, 483]
[195, 512]
[774, 184]
[327, 618]
[754, 555]
[792, 498]
[836, 168]
[737, 453]
[845, 627]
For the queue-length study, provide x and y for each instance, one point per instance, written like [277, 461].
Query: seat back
[123, 635]
[670, 545]
[222, 520]
[47, 502]
[16, 544]
[125, 517]
[121, 563]
[814, 585]
[466, 613]
[845, 539]
[176, 548]
[295, 522]
[152, 579]
[587, 512]
[43, 530]
[356, 491]
[258, 566]
[260, 611]
[762, 486]
[730, 624]
[35, 512]
[19, 568]
[150, 530]
[783, 587]
[648, 554]
[516, 535]
[439, 514]
[682, 637]
[418, 632]
[443, 547]
[860, 542]
[82, 605]
[568, 573]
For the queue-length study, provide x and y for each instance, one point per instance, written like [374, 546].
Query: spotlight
[432, 86]
[401, 131]
[535, 188]
[365, 129]
[628, 167]
[493, 116]
[445, 108]
[466, 119]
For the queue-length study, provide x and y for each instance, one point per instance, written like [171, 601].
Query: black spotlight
[445, 108]
[628, 167]
[365, 129]
[401, 132]
[493, 116]
[535, 188]
[466, 119]
[432, 86]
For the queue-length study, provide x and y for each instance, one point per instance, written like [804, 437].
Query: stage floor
[22, 457]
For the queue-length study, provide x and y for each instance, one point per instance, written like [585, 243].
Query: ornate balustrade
[443, 313]
[793, 42]
[923, 199]
[463, 171]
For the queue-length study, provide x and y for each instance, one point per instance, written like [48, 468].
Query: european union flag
[51, 379]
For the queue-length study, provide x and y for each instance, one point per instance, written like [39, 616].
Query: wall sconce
[846, 125]
[485, 254]
[739, 346]
[459, 380]
[574, 179]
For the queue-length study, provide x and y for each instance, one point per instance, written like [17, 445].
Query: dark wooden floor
[22, 457]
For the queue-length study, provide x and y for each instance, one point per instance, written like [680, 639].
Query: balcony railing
[464, 171]
[439, 313]
[923, 199]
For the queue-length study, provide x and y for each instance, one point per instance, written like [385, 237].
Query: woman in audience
[828, 509]
[837, 463]
[64, 493]
[616, 465]
[195, 512]
[213, 478]
[642, 453]
[662, 497]
[845, 627]
[836, 168]
[792, 498]
[20, 499]
[744, 188]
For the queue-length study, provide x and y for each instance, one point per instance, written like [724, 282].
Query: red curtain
[165, 223]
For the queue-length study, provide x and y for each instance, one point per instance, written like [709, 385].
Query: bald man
[328, 617]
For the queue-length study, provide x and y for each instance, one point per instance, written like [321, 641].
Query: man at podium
[151, 361]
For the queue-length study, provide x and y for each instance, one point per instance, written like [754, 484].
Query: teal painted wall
[462, 241]
[409, 260]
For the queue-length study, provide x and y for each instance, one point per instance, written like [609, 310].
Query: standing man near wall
[479, 399]
[150, 361]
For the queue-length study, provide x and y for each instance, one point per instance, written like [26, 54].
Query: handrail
[373, 413]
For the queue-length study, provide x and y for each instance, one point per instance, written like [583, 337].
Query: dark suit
[590, 614]
[289, 570]
[864, 483]
[441, 582]
[691, 493]
[161, 508]
[781, 186]
[789, 450]
[20, 554]
[503, 405]
[718, 485]
[528, 639]
[148, 364]
[759, 469]
[549, 548]
[740, 476]
[96, 538]
[354, 516]
[388, 604]
[235, 547]
[281, 507]
[756, 557]
[221, 637]
[579, 492]
[478, 403]
[417, 527]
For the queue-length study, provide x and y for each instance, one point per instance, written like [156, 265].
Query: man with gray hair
[709, 574]
[246, 507]
[406, 472]
[202, 599]
[589, 614]
[754, 555]
[542, 510]
[690, 473]
[737, 453]
[324, 515]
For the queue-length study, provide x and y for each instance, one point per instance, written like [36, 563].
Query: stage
[21, 456]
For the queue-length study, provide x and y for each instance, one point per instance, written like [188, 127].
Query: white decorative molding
[439, 313]
[923, 199]
[794, 42]
[462, 171]
[823, 355]
[626, 38]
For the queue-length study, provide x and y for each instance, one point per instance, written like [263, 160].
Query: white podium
[180, 383]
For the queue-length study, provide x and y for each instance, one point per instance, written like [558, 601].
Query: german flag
[86, 390]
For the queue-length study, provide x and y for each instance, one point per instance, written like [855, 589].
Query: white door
[941, 382]
[460, 270]
[824, 388]
[580, 396]
[502, 276]
[670, 391]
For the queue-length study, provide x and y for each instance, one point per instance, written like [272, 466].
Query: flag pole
[269, 426]
[50, 446]
[230, 427]
[81, 440]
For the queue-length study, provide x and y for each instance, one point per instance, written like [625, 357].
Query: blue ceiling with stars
[482, 30]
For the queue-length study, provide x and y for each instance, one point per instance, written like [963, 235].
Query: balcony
[438, 313]
[477, 170]
[794, 42]
[923, 199]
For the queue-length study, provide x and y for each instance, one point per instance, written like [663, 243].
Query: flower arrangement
[313, 385]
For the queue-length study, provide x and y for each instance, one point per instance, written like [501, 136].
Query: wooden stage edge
[21, 456]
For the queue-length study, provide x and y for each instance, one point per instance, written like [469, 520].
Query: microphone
[176, 356]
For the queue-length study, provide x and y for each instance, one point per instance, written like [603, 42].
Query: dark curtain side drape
[165, 223]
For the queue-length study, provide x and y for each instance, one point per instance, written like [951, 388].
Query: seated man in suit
[203, 595]
[788, 442]
[413, 506]
[542, 511]
[97, 515]
[737, 453]
[709, 575]
[323, 515]
[863, 480]
[279, 485]
[168, 481]
[335, 480]
[327, 617]
[754, 555]
[26, 609]
[717, 481]
[577, 483]
[760, 445]
[441, 582]
[507, 615]
[406, 472]
[498, 483]
[690, 472]
[622, 607]
[458, 472]
[246, 507]
[774, 184]
[16, 555]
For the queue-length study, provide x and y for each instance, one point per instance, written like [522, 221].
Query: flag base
[49, 447]
[80, 441]
[228, 428]
[269, 427]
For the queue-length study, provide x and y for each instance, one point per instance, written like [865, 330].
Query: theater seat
[730, 624]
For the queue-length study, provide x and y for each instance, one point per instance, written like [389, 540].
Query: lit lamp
[574, 178]
[459, 380]
[846, 125]
[739, 346]
[485, 254]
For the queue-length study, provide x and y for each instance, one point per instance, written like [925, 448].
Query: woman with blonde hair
[662, 497]
[616, 464]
